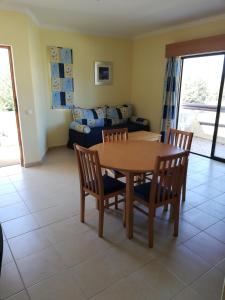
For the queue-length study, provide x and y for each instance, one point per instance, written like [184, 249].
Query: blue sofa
[86, 129]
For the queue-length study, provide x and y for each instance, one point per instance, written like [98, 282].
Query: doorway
[202, 104]
[10, 139]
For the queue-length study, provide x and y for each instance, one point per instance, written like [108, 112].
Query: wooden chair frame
[91, 183]
[115, 135]
[166, 186]
[183, 140]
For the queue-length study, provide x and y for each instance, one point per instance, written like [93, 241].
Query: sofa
[87, 125]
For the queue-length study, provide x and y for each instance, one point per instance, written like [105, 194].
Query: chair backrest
[168, 178]
[114, 135]
[89, 170]
[179, 138]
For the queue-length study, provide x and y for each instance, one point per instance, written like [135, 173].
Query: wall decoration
[103, 73]
[62, 83]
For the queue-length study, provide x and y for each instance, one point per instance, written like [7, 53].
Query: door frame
[15, 101]
[212, 156]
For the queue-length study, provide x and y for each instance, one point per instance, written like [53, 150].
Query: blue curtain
[171, 94]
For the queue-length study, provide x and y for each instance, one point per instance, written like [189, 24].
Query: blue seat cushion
[117, 173]
[143, 191]
[112, 185]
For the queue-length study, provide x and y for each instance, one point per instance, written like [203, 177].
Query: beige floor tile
[64, 230]
[54, 214]
[220, 199]
[19, 226]
[10, 281]
[129, 288]
[153, 281]
[13, 211]
[7, 189]
[28, 243]
[207, 191]
[80, 248]
[62, 286]
[185, 264]
[213, 209]
[205, 246]
[7, 256]
[188, 294]
[199, 218]
[209, 286]
[20, 296]
[221, 266]
[40, 266]
[9, 199]
[195, 199]
[217, 231]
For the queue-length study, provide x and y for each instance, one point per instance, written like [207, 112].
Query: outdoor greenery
[197, 91]
[6, 95]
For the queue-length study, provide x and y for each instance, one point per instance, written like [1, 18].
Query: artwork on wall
[103, 73]
[62, 83]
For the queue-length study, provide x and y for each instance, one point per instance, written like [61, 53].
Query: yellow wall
[14, 32]
[138, 74]
[39, 87]
[87, 49]
[148, 65]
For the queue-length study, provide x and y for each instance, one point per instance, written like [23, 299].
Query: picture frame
[103, 73]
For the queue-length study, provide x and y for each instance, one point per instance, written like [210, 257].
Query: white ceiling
[116, 17]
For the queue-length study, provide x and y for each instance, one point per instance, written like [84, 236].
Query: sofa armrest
[79, 127]
[138, 120]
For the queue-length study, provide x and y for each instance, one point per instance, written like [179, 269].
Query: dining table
[132, 157]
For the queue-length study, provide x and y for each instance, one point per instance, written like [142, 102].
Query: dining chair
[115, 135]
[181, 139]
[163, 189]
[93, 183]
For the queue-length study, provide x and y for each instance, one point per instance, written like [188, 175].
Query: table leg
[129, 204]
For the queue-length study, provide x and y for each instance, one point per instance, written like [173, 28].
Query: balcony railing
[205, 107]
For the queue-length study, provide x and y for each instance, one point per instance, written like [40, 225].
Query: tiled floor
[50, 255]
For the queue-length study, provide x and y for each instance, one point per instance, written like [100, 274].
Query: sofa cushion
[95, 117]
[119, 114]
[138, 120]
[79, 127]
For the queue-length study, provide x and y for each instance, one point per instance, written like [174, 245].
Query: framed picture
[103, 73]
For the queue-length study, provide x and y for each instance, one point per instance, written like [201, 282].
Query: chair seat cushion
[116, 173]
[112, 185]
[143, 190]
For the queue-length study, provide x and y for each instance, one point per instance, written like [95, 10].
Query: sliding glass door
[202, 104]
[218, 149]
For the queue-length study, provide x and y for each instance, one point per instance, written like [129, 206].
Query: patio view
[201, 81]
[9, 147]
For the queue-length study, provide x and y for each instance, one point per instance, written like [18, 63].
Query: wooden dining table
[132, 157]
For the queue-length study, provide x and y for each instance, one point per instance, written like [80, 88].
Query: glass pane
[199, 99]
[220, 139]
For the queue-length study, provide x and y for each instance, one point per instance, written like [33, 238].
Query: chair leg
[82, 206]
[97, 204]
[116, 202]
[124, 215]
[107, 203]
[176, 218]
[184, 187]
[165, 207]
[151, 228]
[101, 218]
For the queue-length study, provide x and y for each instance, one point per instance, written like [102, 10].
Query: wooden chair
[115, 135]
[164, 189]
[181, 139]
[93, 183]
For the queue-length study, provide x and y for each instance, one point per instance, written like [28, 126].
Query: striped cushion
[95, 117]
[119, 114]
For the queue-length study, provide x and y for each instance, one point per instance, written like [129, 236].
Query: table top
[144, 136]
[132, 156]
